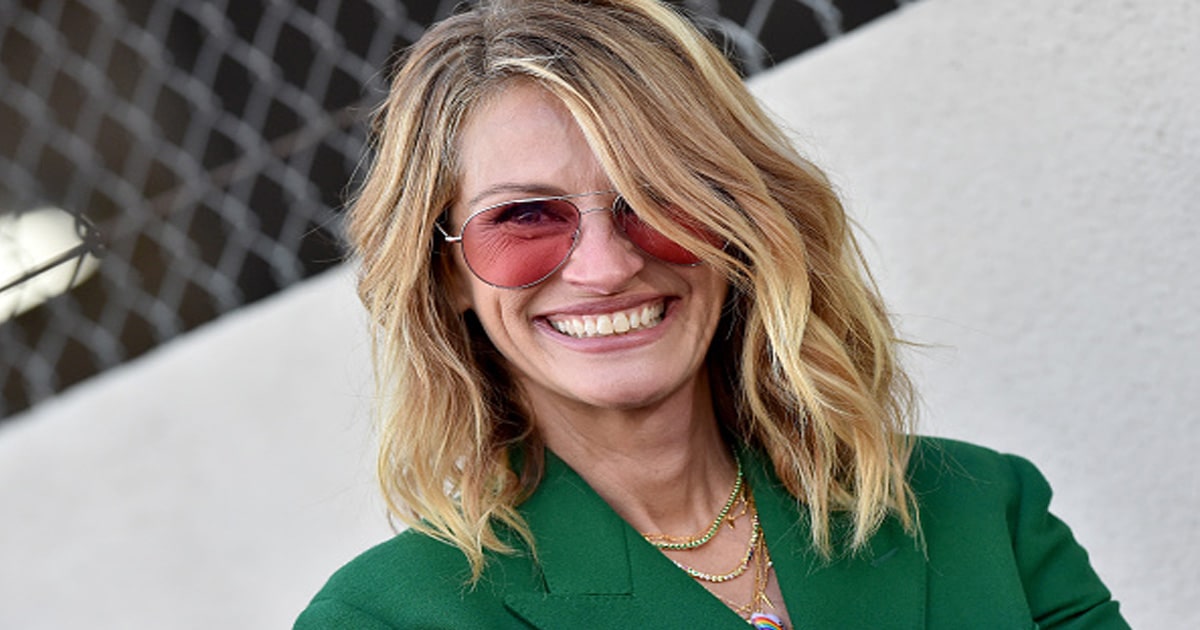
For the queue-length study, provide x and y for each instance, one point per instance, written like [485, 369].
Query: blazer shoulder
[961, 487]
[412, 579]
[942, 464]
[985, 518]
[408, 557]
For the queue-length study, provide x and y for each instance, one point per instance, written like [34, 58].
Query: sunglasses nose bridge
[580, 205]
[583, 213]
[610, 210]
[613, 235]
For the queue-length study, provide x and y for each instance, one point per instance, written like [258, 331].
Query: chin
[632, 395]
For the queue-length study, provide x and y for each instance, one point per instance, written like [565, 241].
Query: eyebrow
[530, 189]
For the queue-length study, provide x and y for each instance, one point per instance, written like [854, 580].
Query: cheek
[713, 285]
[721, 288]
[499, 311]
[717, 293]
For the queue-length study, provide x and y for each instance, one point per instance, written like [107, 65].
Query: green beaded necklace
[672, 543]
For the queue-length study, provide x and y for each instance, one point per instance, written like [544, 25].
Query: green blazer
[993, 557]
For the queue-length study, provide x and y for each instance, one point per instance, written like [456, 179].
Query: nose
[604, 261]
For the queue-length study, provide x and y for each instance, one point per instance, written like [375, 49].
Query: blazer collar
[597, 571]
[881, 586]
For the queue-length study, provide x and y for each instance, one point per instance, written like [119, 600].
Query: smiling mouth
[608, 324]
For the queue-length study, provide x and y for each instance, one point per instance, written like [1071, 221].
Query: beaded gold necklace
[754, 611]
[743, 564]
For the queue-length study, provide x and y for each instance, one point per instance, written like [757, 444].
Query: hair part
[808, 370]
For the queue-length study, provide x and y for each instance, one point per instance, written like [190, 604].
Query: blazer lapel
[598, 572]
[883, 586]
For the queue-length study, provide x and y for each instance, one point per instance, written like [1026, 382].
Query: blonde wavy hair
[804, 363]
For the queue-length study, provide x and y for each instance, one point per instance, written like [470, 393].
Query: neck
[662, 468]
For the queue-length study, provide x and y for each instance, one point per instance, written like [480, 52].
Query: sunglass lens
[651, 240]
[518, 244]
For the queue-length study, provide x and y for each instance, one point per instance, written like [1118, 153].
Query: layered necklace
[755, 561]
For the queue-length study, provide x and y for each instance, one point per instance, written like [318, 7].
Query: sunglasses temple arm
[446, 235]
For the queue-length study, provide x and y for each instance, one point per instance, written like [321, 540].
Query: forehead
[523, 141]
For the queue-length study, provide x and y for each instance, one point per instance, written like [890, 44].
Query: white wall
[213, 484]
[1028, 173]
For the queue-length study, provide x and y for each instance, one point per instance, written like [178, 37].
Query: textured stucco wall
[1027, 173]
[215, 483]
[1029, 176]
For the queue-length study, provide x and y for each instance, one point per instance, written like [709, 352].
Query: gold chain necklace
[717, 578]
[759, 601]
[756, 552]
[681, 543]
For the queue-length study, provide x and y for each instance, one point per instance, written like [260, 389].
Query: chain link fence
[207, 147]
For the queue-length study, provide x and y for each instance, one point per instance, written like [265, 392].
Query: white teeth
[620, 323]
[610, 323]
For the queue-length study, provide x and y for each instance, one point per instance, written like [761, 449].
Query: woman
[633, 371]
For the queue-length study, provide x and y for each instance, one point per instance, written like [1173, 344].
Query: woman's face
[524, 143]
